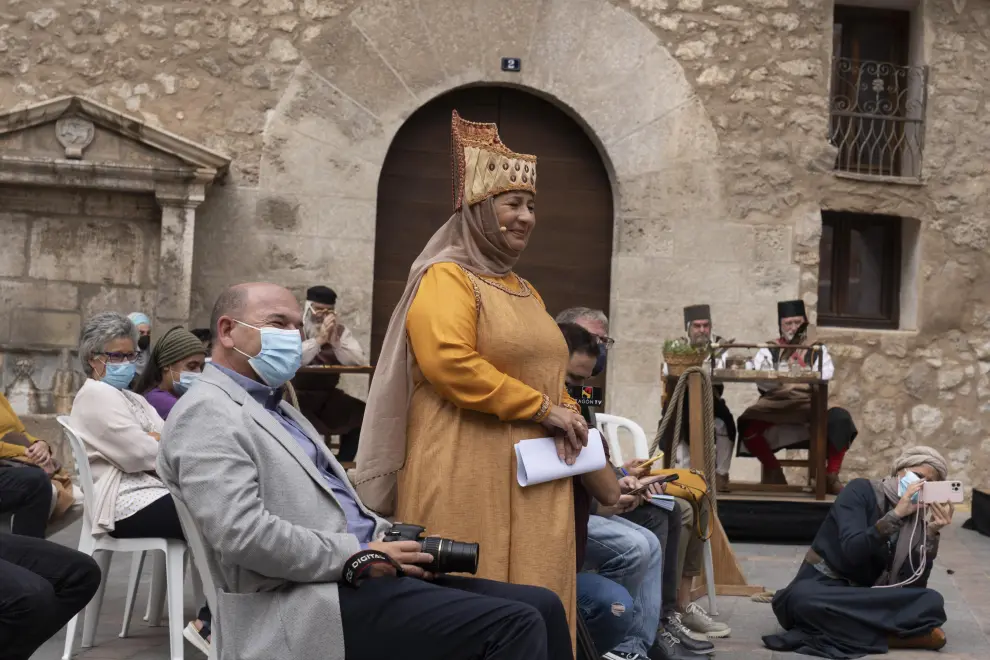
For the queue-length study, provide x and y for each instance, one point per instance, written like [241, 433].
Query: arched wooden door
[569, 256]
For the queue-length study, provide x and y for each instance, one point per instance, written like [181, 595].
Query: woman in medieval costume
[471, 364]
[862, 586]
[780, 419]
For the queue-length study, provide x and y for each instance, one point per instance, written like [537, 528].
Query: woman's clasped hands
[570, 432]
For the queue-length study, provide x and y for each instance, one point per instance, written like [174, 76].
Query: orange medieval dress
[486, 352]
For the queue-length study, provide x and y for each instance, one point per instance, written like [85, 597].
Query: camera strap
[357, 566]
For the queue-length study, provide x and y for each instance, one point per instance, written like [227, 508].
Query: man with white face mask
[328, 342]
[300, 565]
[780, 419]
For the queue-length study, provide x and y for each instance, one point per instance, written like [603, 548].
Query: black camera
[448, 556]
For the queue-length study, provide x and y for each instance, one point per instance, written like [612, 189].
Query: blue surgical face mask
[602, 359]
[119, 375]
[280, 356]
[908, 479]
[185, 381]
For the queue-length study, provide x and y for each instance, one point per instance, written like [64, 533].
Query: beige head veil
[483, 168]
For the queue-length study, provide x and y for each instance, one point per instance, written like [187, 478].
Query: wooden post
[729, 578]
[819, 439]
[695, 423]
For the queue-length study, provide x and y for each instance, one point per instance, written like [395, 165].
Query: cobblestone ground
[962, 575]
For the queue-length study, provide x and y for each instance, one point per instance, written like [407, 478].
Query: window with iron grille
[877, 104]
[859, 270]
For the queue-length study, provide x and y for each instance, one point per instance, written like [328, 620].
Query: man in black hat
[698, 326]
[780, 419]
[328, 342]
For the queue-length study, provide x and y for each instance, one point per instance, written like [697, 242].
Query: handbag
[690, 486]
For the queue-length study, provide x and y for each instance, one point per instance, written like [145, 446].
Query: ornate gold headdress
[483, 166]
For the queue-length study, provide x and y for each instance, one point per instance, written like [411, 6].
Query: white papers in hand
[537, 460]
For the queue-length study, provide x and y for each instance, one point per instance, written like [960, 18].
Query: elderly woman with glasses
[121, 430]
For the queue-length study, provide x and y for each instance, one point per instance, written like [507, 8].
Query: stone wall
[66, 254]
[762, 67]
[711, 116]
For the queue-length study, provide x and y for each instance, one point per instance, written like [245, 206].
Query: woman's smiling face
[516, 213]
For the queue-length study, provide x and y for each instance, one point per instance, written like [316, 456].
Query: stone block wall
[712, 117]
[66, 255]
[762, 68]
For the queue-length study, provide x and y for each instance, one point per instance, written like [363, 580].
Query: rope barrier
[675, 411]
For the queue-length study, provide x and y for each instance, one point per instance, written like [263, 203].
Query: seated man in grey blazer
[284, 529]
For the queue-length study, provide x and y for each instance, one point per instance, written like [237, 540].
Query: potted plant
[680, 355]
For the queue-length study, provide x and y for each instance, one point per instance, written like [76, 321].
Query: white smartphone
[942, 491]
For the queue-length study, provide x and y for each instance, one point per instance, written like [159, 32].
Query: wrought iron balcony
[877, 117]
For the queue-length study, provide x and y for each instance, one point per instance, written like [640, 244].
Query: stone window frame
[896, 244]
[178, 189]
[907, 116]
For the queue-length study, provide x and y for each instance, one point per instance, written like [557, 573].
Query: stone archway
[569, 256]
[327, 139]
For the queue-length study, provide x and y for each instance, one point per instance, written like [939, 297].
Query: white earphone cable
[918, 571]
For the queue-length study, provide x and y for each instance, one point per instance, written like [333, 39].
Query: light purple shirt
[359, 523]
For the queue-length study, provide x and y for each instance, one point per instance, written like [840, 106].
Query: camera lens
[451, 556]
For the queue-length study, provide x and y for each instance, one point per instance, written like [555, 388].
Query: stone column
[176, 255]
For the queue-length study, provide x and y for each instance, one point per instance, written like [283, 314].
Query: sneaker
[697, 620]
[688, 638]
[668, 647]
[195, 637]
[622, 655]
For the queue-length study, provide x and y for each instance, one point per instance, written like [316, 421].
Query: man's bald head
[230, 303]
[241, 309]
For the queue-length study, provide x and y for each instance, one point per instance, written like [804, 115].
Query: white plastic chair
[197, 548]
[609, 426]
[102, 547]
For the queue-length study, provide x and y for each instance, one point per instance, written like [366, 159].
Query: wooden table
[817, 453]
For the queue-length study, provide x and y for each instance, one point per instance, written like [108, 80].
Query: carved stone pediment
[77, 146]
[97, 146]
[77, 139]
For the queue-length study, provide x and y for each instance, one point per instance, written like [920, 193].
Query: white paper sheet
[538, 461]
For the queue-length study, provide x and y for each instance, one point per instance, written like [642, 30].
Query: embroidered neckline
[525, 291]
[524, 285]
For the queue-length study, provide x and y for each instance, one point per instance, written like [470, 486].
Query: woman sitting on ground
[862, 588]
[121, 430]
[175, 363]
